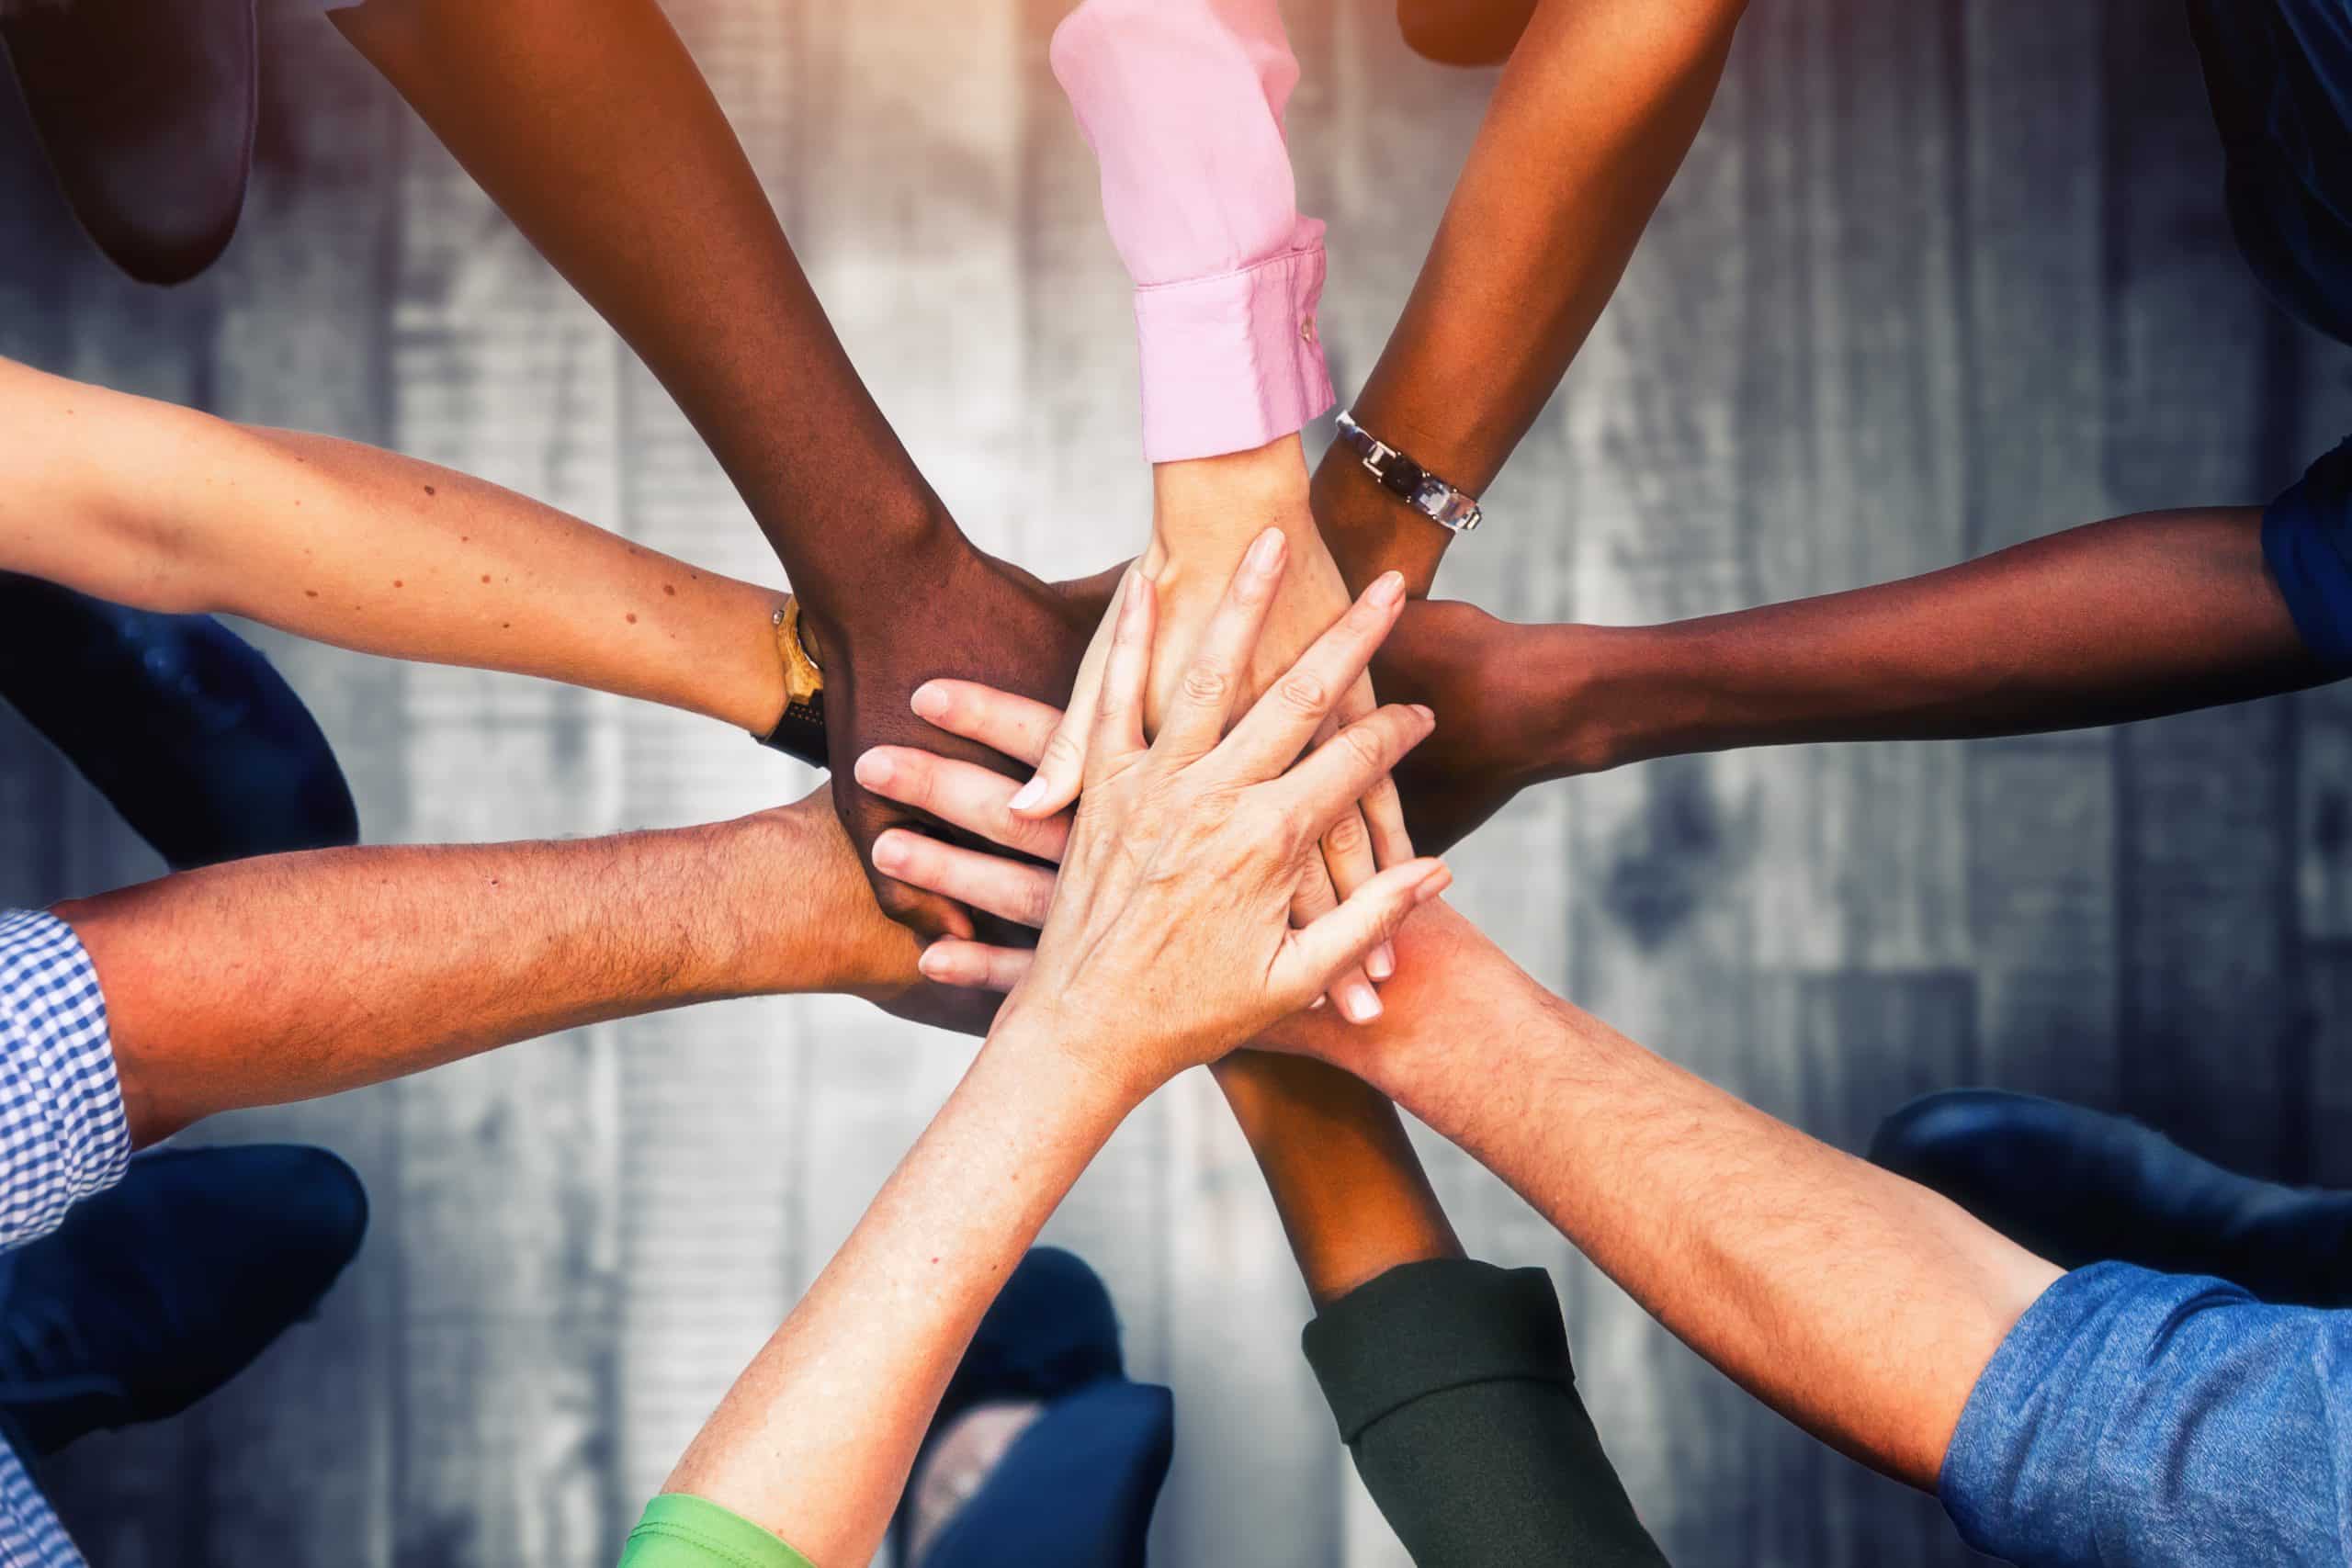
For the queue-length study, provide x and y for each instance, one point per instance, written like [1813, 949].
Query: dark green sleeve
[1453, 1388]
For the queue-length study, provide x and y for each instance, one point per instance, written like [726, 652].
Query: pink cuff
[1234, 361]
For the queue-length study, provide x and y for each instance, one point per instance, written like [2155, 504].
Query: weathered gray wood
[1882, 322]
[2206, 803]
[289, 349]
[1840, 1050]
[1663, 934]
[1852, 340]
[2040, 854]
[506, 1321]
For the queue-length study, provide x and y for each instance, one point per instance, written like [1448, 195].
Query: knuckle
[1365, 742]
[1062, 750]
[1304, 692]
[1206, 680]
[1348, 836]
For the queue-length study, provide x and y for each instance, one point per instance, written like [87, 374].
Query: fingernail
[1381, 963]
[1316, 1005]
[930, 703]
[890, 851]
[1432, 884]
[1387, 589]
[874, 770]
[1428, 715]
[929, 962]
[1359, 1002]
[1027, 795]
[1266, 551]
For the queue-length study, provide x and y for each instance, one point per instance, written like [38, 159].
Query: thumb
[1061, 767]
[1313, 956]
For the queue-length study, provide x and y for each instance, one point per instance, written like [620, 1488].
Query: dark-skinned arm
[588, 122]
[2128, 619]
[1588, 125]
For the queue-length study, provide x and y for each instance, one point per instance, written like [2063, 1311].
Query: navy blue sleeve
[2158, 1420]
[2307, 541]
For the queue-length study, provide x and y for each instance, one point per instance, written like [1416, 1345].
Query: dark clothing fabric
[1451, 1386]
[182, 725]
[2307, 543]
[1077, 1487]
[2279, 75]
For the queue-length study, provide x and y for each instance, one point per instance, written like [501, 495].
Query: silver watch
[1409, 481]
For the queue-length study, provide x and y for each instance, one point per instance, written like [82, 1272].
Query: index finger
[998, 720]
[1278, 725]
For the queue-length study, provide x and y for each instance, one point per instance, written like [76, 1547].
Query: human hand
[1170, 928]
[957, 612]
[1191, 558]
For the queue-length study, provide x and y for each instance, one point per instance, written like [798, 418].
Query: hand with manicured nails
[1167, 937]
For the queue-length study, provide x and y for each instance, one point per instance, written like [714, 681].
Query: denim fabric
[2159, 1419]
[2307, 543]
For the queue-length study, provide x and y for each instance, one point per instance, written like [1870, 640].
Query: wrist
[895, 542]
[1369, 530]
[1081, 1054]
[801, 916]
[1207, 510]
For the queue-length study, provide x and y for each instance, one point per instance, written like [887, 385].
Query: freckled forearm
[164, 508]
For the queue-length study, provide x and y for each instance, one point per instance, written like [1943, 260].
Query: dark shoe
[156, 1292]
[2079, 1186]
[182, 725]
[1061, 1458]
[146, 110]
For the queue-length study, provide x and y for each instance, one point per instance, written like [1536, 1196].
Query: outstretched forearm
[1857, 1304]
[1353, 1198]
[589, 124]
[1588, 125]
[291, 977]
[164, 508]
[2120, 620]
[815, 1440]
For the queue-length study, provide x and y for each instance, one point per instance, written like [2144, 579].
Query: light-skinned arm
[1178, 869]
[1862, 1306]
[291, 977]
[161, 507]
[589, 124]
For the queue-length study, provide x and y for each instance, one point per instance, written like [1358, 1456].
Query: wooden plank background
[1937, 278]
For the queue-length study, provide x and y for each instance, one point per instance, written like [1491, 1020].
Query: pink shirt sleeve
[1182, 102]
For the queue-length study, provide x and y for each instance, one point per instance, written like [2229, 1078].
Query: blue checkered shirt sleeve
[62, 1133]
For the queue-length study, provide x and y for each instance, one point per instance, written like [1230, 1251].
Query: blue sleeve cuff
[2307, 543]
[2162, 1420]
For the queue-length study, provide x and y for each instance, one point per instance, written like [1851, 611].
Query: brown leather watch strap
[801, 731]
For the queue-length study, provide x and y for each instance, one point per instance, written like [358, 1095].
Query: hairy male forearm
[1857, 1304]
[283, 979]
